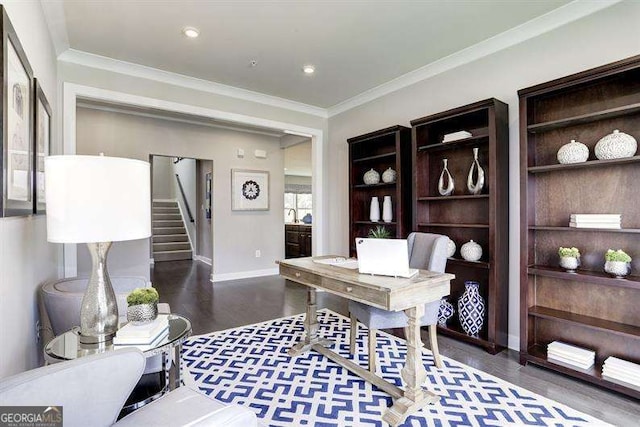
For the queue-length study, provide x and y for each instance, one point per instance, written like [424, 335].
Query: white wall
[26, 259]
[237, 234]
[607, 36]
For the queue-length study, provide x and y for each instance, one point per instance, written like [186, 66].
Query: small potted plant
[142, 305]
[379, 232]
[617, 263]
[569, 259]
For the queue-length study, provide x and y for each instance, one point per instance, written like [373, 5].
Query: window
[300, 202]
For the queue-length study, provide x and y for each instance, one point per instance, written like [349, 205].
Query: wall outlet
[258, 254]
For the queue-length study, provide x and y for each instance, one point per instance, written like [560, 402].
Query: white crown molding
[535, 27]
[57, 24]
[127, 68]
[244, 275]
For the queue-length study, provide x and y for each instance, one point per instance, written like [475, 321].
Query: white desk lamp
[97, 200]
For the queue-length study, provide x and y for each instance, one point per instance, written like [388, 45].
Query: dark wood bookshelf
[379, 150]
[461, 216]
[587, 308]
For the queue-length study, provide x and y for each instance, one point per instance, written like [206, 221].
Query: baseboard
[244, 274]
[202, 259]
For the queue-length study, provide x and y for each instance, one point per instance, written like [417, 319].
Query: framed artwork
[17, 132]
[249, 190]
[42, 146]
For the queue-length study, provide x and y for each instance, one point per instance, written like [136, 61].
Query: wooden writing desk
[389, 293]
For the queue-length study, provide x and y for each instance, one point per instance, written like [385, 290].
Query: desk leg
[310, 328]
[414, 375]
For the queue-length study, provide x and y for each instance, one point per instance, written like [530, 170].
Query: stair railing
[184, 199]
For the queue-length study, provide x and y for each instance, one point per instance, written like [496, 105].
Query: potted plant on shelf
[569, 258]
[142, 305]
[379, 232]
[617, 263]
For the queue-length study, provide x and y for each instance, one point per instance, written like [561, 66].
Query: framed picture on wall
[42, 146]
[249, 190]
[17, 132]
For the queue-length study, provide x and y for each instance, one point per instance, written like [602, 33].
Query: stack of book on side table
[571, 355]
[621, 372]
[596, 221]
[145, 336]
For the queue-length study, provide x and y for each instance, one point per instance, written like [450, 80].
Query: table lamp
[97, 200]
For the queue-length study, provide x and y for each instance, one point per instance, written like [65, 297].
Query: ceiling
[354, 45]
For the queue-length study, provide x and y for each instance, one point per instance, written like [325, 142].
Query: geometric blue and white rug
[249, 366]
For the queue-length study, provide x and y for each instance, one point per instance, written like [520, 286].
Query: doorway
[298, 198]
[181, 191]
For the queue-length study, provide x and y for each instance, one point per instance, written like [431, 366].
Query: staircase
[170, 240]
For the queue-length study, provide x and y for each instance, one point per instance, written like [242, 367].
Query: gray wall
[204, 246]
[26, 259]
[186, 170]
[163, 179]
[607, 36]
[237, 234]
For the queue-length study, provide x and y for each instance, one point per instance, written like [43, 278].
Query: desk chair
[426, 252]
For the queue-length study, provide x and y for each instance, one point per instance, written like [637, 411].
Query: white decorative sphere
[471, 251]
[371, 177]
[451, 248]
[573, 152]
[616, 145]
[389, 176]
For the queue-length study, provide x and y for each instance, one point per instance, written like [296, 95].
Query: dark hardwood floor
[212, 307]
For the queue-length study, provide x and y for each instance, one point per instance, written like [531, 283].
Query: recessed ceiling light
[191, 32]
[309, 69]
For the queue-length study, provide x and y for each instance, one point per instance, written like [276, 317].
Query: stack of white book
[596, 221]
[571, 355]
[621, 371]
[143, 336]
[455, 136]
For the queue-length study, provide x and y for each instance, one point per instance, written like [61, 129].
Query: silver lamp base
[99, 311]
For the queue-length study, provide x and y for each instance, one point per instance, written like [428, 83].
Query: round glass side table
[67, 346]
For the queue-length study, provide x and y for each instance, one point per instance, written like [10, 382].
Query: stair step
[161, 231]
[171, 246]
[171, 255]
[159, 204]
[170, 238]
[167, 223]
[167, 216]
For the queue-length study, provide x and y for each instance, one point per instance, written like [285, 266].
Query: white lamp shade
[97, 199]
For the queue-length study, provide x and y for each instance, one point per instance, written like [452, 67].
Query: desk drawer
[360, 293]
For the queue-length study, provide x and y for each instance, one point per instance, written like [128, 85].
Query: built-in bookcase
[483, 218]
[379, 150]
[588, 308]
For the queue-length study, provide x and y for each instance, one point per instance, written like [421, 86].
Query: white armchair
[92, 390]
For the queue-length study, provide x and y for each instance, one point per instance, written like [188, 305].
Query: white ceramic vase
[573, 152]
[389, 176]
[569, 263]
[617, 269]
[616, 145]
[387, 210]
[374, 210]
[371, 177]
[445, 176]
[475, 188]
[471, 251]
[451, 248]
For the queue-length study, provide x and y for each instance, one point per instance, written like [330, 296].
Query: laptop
[384, 257]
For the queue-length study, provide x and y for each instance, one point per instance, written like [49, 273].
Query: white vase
[389, 176]
[573, 152]
[445, 176]
[371, 177]
[475, 188]
[387, 211]
[451, 248]
[616, 145]
[374, 211]
[471, 251]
